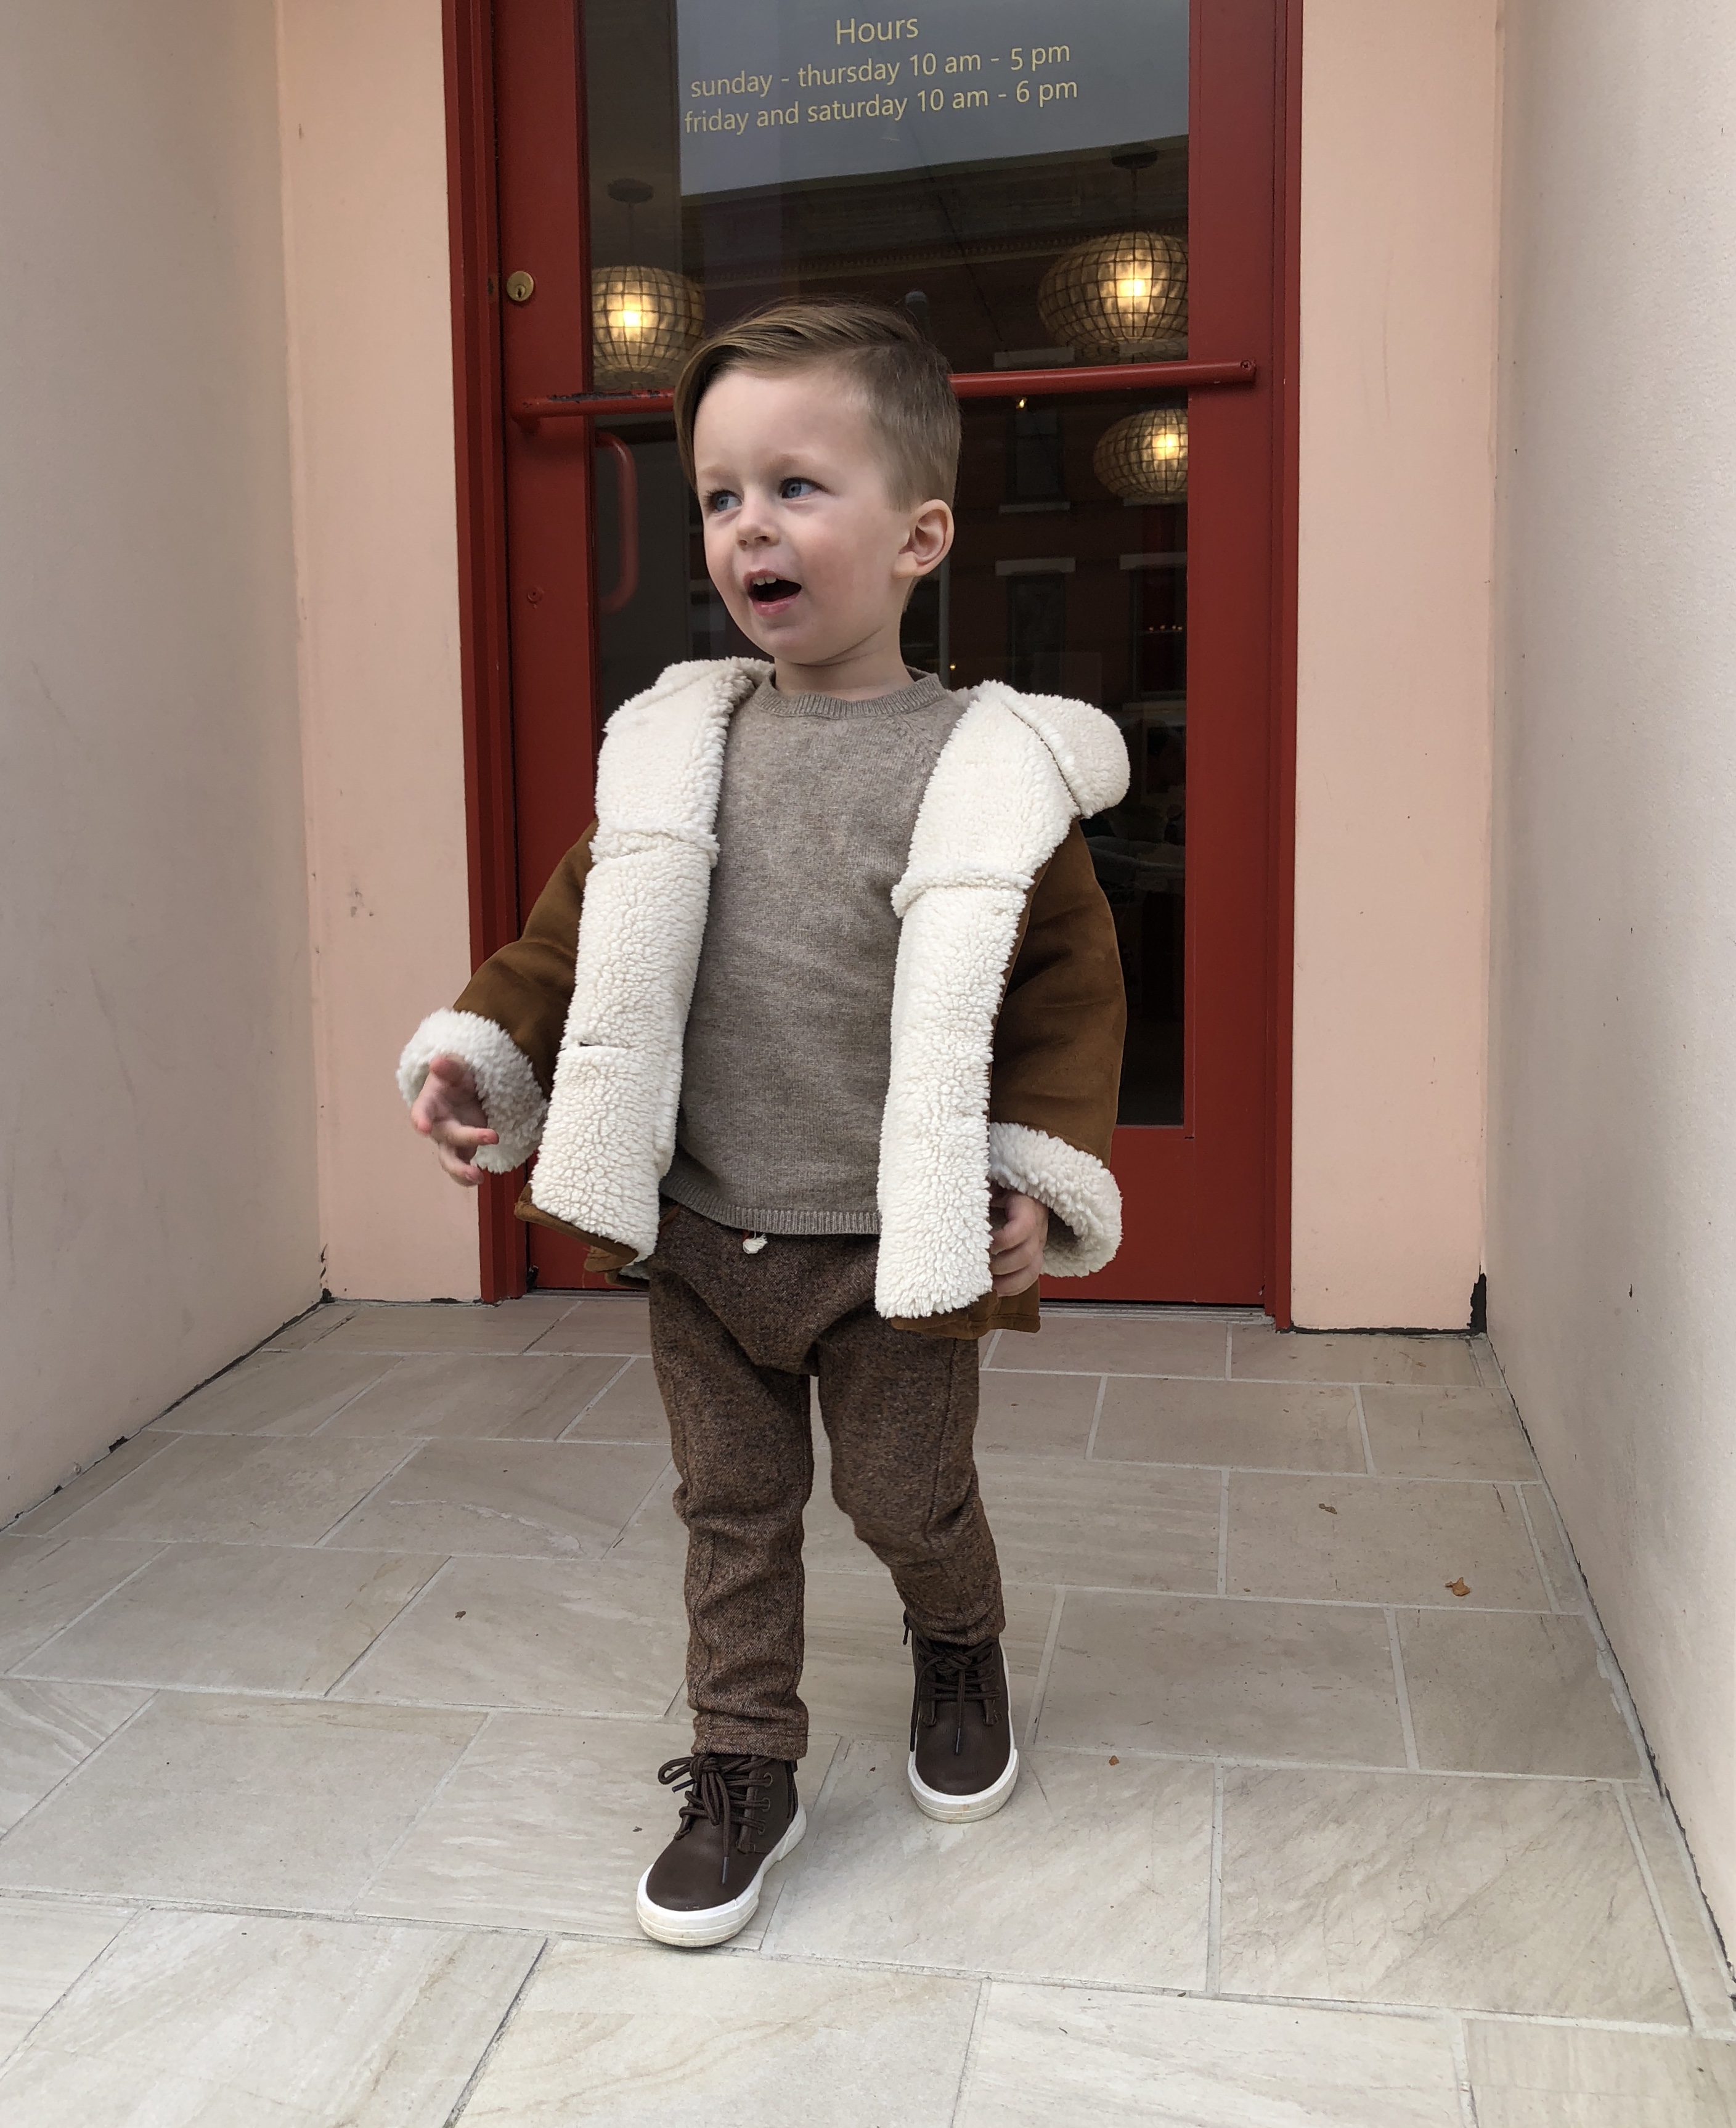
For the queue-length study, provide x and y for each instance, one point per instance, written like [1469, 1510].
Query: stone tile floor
[330, 1709]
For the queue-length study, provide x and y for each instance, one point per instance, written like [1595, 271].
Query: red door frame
[517, 825]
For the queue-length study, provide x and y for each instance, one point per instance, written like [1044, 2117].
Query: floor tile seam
[1046, 1662]
[1609, 1665]
[1097, 1416]
[1543, 1565]
[1660, 1915]
[418, 1816]
[61, 1528]
[97, 1602]
[461, 2104]
[332, 1417]
[1401, 1686]
[990, 1975]
[649, 1495]
[1635, 2027]
[77, 1979]
[967, 2067]
[425, 1440]
[472, 1352]
[1462, 2070]
[489, 1706]
[1361, 1427]
[355, 1508]
[77, 1766]
[1238, 1381]
[1346, 1382]
[288, 1697]
[263, 1544]
[27, 1895]
[1438, 2014]
[1677, 1843]
[1252, 1762]
[1215, 1887]
[166, 1902]
[344, 1309]
[1263, 1596]
[410, 1603]
[1273, 1469]
[619, 1375]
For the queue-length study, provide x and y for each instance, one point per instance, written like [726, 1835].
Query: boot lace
[951, 1676]
[726, 1788]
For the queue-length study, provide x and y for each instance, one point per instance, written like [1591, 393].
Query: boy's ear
[929, 540]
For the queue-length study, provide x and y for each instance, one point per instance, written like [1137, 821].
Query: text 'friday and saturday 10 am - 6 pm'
[777, 91]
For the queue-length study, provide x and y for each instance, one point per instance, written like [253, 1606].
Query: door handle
[627, 520]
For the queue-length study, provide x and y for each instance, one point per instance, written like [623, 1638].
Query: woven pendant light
[1118, 297]
[1144, 458]
[645, 321]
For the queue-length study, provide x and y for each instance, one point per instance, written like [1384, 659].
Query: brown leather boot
[740, 1815]
[963, 1761]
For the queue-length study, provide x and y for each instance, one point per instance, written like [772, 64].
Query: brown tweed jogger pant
[735, 1337]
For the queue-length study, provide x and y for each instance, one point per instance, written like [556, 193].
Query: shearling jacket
[1008, 1009]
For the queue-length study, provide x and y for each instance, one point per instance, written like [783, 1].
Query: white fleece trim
[1086, 746]
[611, 1134]
[994, 809]
[511, 1099]
[1078, 1190]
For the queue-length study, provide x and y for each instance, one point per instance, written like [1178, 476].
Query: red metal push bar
[530, 414]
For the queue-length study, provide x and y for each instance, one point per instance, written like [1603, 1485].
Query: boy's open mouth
[771, 591]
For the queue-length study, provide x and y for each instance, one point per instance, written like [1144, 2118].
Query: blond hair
[903, 380]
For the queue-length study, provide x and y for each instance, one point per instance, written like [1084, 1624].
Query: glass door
[1062, 199]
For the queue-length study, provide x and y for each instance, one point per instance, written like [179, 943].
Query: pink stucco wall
[1399, 178]
[362, 100]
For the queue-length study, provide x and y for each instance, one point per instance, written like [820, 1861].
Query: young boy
[820, 1027]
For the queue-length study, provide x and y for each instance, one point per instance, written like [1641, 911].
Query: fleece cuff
[511, 1099]
[1079, 1191]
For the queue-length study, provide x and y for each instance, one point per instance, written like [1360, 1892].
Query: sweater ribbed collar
[922, 693]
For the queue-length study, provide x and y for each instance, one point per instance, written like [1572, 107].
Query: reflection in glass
[991, 174]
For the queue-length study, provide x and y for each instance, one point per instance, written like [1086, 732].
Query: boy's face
[803, 540]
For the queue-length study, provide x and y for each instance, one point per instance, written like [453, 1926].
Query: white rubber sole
[965, 1809]
[693, 1931]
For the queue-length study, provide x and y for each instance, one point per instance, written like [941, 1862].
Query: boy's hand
[449, 1110]
[1015, 1252]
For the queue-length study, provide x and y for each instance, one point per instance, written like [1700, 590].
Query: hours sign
[786, 92]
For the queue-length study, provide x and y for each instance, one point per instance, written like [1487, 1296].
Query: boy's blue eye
[721, 498]
[794, 486]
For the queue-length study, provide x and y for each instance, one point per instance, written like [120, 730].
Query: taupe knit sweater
[789, 1038]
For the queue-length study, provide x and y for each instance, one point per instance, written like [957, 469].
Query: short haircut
[903, 380]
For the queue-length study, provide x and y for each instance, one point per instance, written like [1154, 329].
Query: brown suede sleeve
[1058, 1041]
[526, 987]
